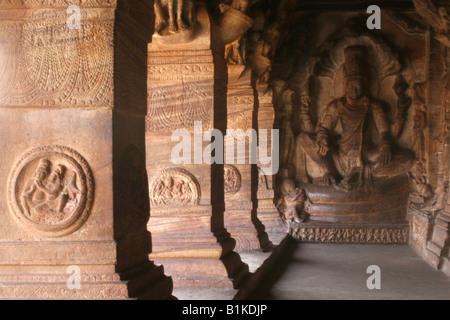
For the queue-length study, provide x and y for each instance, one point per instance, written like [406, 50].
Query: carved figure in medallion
[51, 190]
[51, 193]
[232, 180]
[174, 187]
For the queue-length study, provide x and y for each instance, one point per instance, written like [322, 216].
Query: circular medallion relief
[51, 190]
[176, 187]
[232, 180]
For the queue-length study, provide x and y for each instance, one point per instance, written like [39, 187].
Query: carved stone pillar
[131, 198]
[186, 84]
[443, 221]
[240, 218]
[430, 221]
[439, 243]
[58, 230]
[266, 212]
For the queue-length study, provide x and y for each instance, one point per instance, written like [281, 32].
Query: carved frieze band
[51, 191]
[169, 66]
[180, 72]
[239, 205]
[58, 278]
[9, 4]
[29, 253]
[246, 101]
[351, 235]
[96, 290]
[55, 14]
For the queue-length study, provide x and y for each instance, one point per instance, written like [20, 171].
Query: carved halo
[383, 61]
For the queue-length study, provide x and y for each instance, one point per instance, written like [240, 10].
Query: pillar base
[194, 256]
[249, 233]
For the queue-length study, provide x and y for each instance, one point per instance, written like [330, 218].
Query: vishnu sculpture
[348, 160]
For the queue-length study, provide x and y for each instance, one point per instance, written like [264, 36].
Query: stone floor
[337, 271]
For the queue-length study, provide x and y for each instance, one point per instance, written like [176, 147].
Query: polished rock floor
[339, 272]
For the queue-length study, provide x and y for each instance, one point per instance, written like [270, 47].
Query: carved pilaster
[439, 245]
[131, 197]
[240, 218]
[266, 211]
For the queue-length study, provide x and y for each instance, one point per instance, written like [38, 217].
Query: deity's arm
[328, 122]
[43, 188]
[382, 124]
[305, 114]
[29, 190]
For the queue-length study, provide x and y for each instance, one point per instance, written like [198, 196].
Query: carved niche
[348, 107]
[51, 191]
[354, 139]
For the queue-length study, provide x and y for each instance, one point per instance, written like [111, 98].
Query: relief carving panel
[352, 235]
[344, 114]
[174, 187]
[175, 107]
[55, 3]
[232, 180]
[45, 63]
[51, 191]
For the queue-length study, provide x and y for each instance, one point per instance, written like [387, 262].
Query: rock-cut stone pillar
[186, 98]
[267, 213]
[240, 213]
[59, 225]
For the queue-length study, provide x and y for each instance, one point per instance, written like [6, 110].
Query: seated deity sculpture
[49, 192]
[357, 154]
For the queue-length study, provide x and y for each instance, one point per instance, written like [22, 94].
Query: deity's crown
[60, 169]
[44, 164]
[355, 66]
